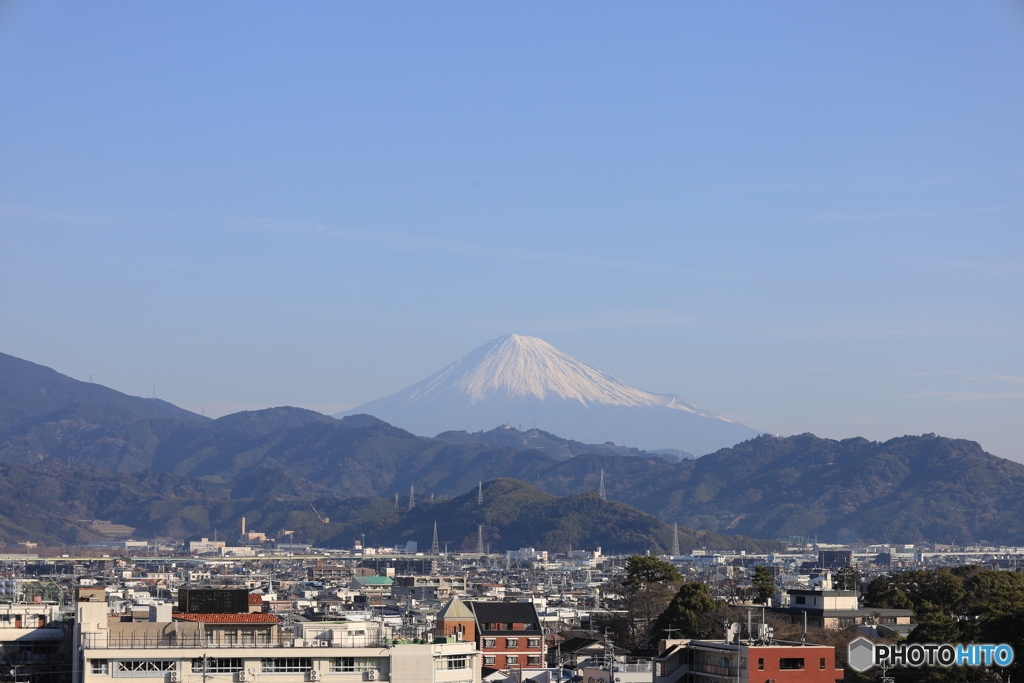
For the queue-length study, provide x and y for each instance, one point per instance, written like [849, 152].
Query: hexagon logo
[861, 654]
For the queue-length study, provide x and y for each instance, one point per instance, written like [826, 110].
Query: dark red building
[507, 633]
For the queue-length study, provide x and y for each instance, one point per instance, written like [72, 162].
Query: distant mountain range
[183, 475]
[519, 380]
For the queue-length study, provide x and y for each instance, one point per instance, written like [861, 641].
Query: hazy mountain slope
[522, 380]
[29, 390]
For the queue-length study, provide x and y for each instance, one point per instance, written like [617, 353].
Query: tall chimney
[243, 527]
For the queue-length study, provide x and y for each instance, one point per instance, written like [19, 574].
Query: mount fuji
[526, 381]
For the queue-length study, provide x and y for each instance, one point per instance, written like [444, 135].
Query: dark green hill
[910, 489]
[28, 390]
[46, 502]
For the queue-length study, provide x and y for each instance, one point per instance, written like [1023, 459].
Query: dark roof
[505, 613]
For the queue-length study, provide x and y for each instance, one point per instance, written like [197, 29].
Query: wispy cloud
[406, 242]
[38, 213]
[847, 216]
[970, 395]
[657, 317]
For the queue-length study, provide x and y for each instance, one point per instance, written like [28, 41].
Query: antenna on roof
[601, 491]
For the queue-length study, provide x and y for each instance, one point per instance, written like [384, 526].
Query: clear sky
[806, 216]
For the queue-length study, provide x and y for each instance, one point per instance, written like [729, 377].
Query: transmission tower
[675, 539]
[412, 497]
[479, 493]
[435, 550]
[396, 500]
[601, 491]
[480, 538]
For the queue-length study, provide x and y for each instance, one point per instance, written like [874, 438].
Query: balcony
[714, 669]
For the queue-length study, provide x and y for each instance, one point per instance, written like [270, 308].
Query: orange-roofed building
[237, 629]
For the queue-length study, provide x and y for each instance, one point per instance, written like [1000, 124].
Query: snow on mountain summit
[515, 365]
[518, 379]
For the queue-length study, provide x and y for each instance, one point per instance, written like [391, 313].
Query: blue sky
[806, 216]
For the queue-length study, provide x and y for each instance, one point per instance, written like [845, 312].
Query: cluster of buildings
[339, 616]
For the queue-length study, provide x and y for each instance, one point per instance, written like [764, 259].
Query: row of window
[512, 642]
[512, 660]
[269, 665]
[790, 664]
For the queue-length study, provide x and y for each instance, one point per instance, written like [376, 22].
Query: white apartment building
[178, 651]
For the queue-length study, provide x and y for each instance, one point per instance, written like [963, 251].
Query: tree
[846, 579]
[693, 613]
[643, 570]
[764, 582]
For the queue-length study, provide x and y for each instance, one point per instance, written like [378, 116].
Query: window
[821, 663]
[760, 663]
[511, 642]
[451, 662]
[533, 660]
[354, 664]
[791, 664]
[488, 660]
[143, 668]
[533, 642]
[489, 642]
[99, 666]
[286, 665]
[801, 600]
[248, 637]
[511, 659]
[218, 665]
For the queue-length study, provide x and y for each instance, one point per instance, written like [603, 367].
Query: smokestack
[243, 527]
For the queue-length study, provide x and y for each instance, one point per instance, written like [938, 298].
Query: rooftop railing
[98, 641]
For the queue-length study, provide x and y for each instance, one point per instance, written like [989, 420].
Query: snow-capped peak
[518, 366]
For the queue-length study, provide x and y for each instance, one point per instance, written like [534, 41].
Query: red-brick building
[704, 661]
[507, 633]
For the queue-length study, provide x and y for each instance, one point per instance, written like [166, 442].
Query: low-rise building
[712, 661]
[333, 652]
